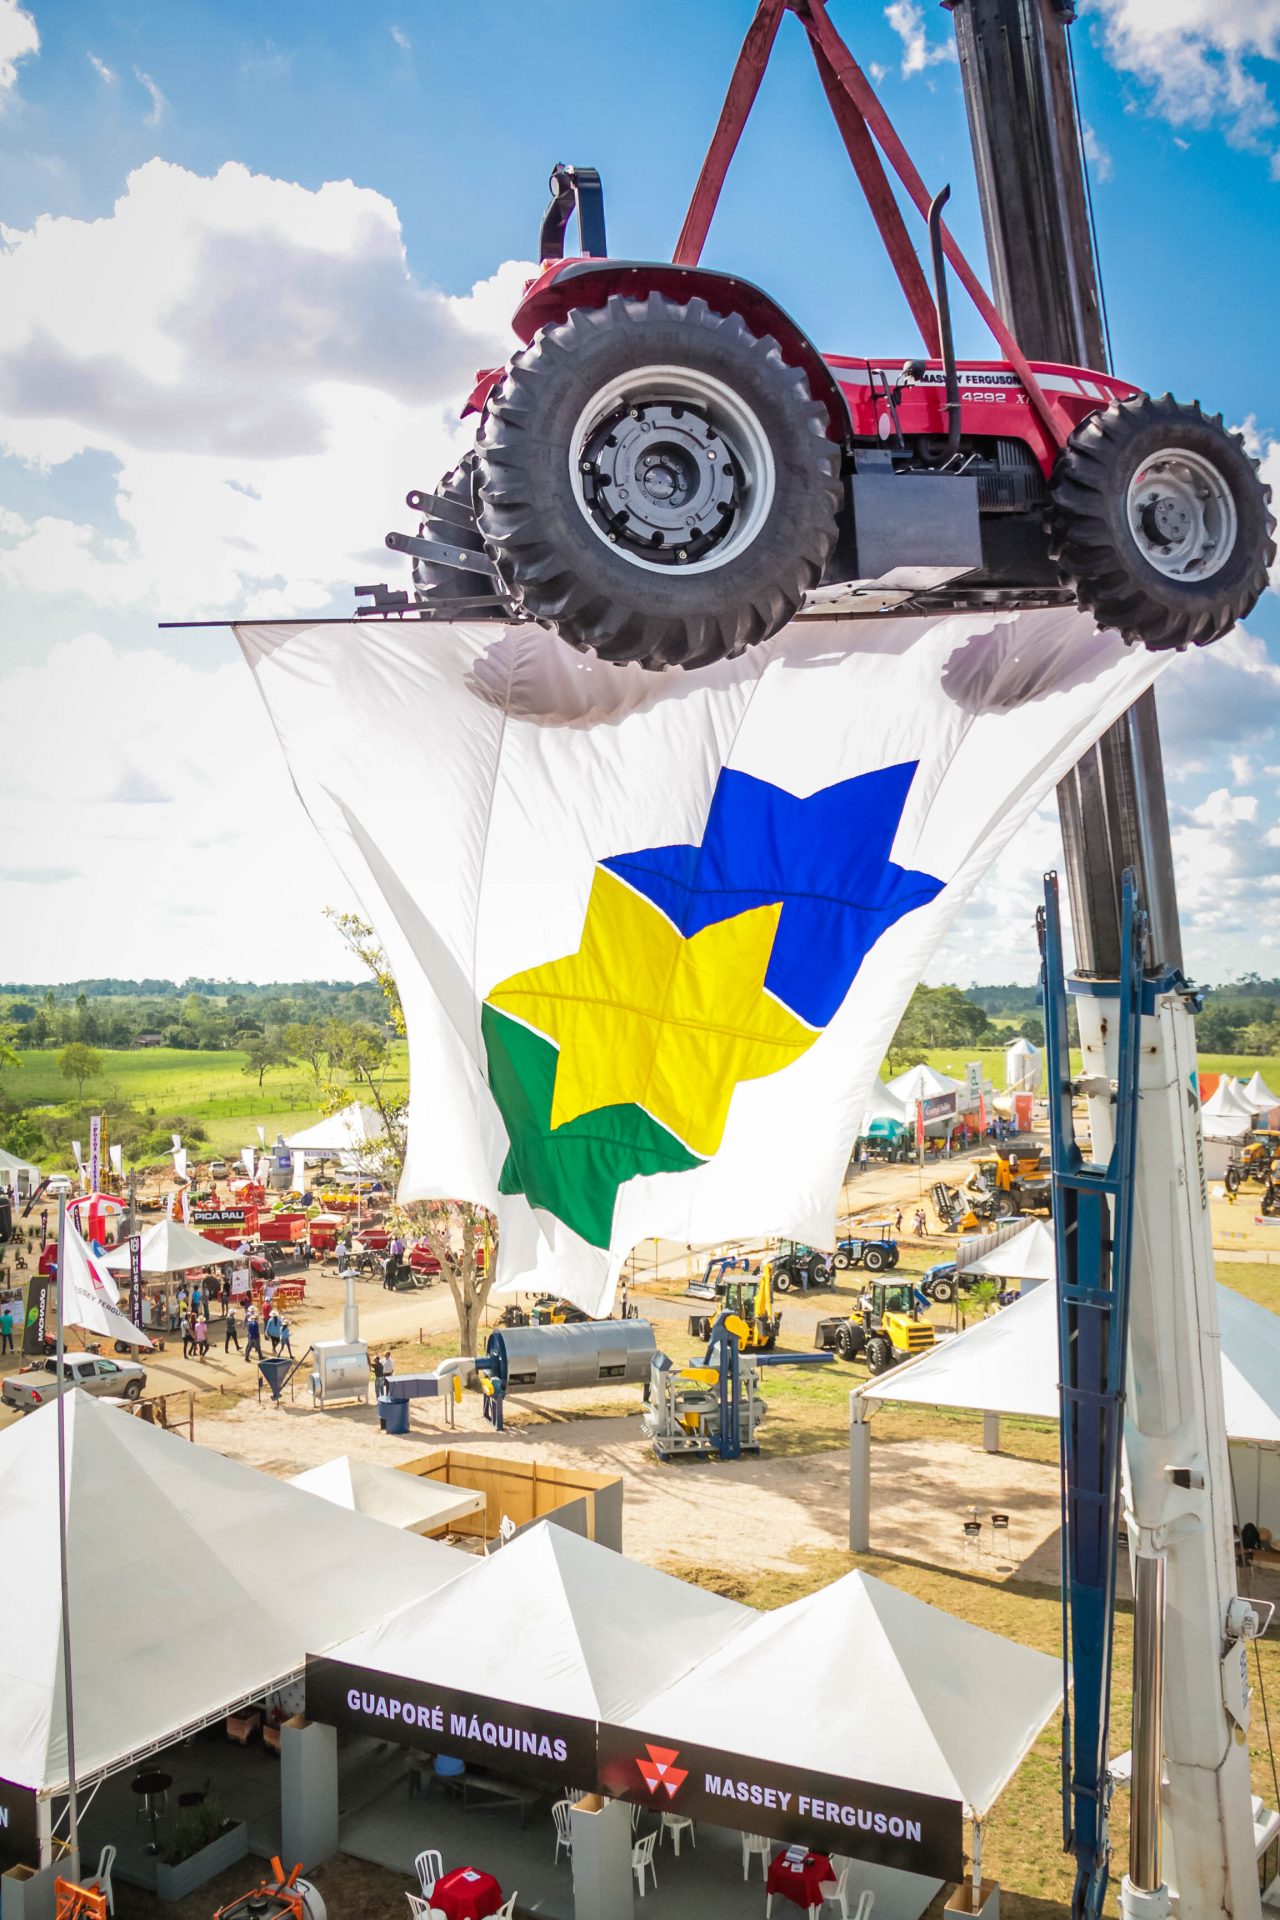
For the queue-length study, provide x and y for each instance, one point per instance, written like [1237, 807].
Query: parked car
[33, 1386]
[59, 1186]
[217, 1169]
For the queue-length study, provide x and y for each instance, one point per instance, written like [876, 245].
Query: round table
[466, 1893]
[801, 1881]
[151, 1787]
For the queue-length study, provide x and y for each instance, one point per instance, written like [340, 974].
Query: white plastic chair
[507, 1909]
[755, 1843]
[560, 1813]
[429, 1866]
[102, 1874]
[419, 1909]
[675, 1824]
[642, 1858]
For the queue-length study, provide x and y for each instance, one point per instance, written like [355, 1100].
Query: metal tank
[579, 1355]
[341, 1371]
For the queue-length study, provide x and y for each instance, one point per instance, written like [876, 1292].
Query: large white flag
[653, 932]
[247, 1160]
[91, 1299]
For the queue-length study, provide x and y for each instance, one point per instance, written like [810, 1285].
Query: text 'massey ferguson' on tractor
[668, 470]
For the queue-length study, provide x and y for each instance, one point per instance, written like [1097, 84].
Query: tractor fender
[566, 284]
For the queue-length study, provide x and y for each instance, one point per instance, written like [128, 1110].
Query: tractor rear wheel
[782, 1279]
[1231, 1179]
[874, 1260]
[656, 483]
[1159, 521]
[879, 1354]
[943, 1292]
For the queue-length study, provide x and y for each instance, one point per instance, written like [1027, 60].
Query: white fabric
[171, 1247]
[555, 1621]
[248, 1160]
[1028, 1255]
[1009, 1364]
[1227, 1113]
[882, 1105]
[11, 1167]
[920, 1700]
[1259, 1095]
[406, 1500]
[90, 1299]
[468, 781]
[922, 1083]
[195, 1581]
[355, 1126]
[299, 1174]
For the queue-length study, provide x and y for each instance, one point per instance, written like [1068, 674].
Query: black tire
[943, 1292]
[1231, 1180]
[1269, 1199]
[133, 1390]
[818, 1271]
[1005, 1205]
[879, 1354]
[848, 1341]
[894, 1256]
[841, 1261]
[782, 1278]
[448, 583]
[1098, 553]
[594, 572]
[874, 1260]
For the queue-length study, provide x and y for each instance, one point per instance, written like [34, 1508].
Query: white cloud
[1096, 154]
[265, 370]
[402, 39]
[918, 51]
[158, 808]
[1200, 57]
[159, 105]
[19, 39]
[102, 70]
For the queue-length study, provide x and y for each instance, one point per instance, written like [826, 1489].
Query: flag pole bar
[73, 1828]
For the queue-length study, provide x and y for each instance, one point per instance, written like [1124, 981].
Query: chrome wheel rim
[1182, 514]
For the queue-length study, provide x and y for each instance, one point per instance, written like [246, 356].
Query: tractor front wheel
[1231, 1180]
[842, 1261]
[943, 1292]
[782, 1279]
[1159, 521]
[879, 1354]
[656, 482]
[848, 1340]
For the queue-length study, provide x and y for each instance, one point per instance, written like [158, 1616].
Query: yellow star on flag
[643, 1015]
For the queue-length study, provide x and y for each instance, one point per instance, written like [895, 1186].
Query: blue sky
[218, 375]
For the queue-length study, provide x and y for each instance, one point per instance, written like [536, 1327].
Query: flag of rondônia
[654, 931]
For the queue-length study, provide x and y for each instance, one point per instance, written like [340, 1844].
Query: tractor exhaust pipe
[943, 304]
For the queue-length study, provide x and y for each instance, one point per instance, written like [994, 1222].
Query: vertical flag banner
[92, 1301]
[177, 1140]
[76, 1154]
[135, 1278]
[262, 1136]
[299, 1174]
[920, 1128]
[116, 1152]
[186, 1206]
[973, 1086]
[246, 1160]
[38, 1325]
[95, 1153]
[180, 1162]
[653, 932]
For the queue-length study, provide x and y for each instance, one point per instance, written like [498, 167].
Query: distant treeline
[198, 1014]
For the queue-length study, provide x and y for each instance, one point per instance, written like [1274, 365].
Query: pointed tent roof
[1026, 1255]
[406, 1500]
[11, 1166]
[926, 1702]
[1009, 1364]
[171, 1247]
[556, 1622]
[163, 1532]
[921, 1083]
[1259, 1094]
[344, 1132]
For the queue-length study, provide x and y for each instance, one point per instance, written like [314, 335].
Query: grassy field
[210, 1087]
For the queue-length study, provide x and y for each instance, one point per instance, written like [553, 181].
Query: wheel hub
[660, 480]
[1182, 514]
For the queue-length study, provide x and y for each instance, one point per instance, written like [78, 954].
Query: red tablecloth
[800, 1883]
[466, 1893]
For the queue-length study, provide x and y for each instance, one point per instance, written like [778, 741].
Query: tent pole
[859, 1475]
[975, 1898]
[73, 1826]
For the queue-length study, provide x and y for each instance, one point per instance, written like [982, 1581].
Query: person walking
[273, 1331]
[285, 1343]
[197, 1301]
[252, 1333]
[200, 1333]
[388, 1365]
[897, 1221]
[226, 1292]
[6, 1331]
[185, 1326]
[231, 1333]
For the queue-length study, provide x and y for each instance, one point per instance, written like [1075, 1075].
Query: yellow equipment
[1258, 1159]
[750, 1310]
[888, 1327]
[1015, 1180]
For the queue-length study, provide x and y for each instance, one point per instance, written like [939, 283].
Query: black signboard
[19, 1833]
[217, 1216]
[547, 1747]
[915, 1832]
[38, 1325]
[135, 1279]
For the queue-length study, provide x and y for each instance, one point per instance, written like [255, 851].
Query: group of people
[275, 1328]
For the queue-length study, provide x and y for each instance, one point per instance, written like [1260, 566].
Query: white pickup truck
[30, 1388]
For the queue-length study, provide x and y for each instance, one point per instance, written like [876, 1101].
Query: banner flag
[76, 1154]
[299, 1175]
[95, 1153]
[186, 1206]
[262, 1136]
[177, 1140]
[653, 931]
[180, 1162]
[920, 1126]
[116, 1155]
[91, 1300]
[247, 1160]
[38, 1326]
[135, 1278]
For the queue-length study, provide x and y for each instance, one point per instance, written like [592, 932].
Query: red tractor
[668, 470]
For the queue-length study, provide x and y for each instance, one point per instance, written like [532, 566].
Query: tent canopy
[1009, 1364]
[1259, 1095]
[1027, 1255]
[11, 1166]
[1228, 1113]
[354, 1127]
[555, 1622]
[921, 1083]
[926, 1702]
[405, 1500]
[171, 1247]
[163, 1533]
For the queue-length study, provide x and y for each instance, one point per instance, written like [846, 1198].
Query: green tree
[264, 1051]
[22, 1135]
[79, 1062]
[9, 1055]
[309, 1041]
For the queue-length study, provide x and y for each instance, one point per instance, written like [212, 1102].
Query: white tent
[921, 1083]
[554, 1622]
[1022, 1070]
[348, 1131]
[882, 1105]
[196, 1583]
[924, 1702]
[1009, 1364]
[1026, 1255]
[1259, 1095]
[171, 1247]
[1227, 1113]
[11, 1168]
[406, 1500]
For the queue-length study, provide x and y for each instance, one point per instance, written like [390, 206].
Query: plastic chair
[560, 1813]
[642, 1859]
[755, 1843]
[507, 1909]
[102, 1874]
[418, 1907]
[675, 1824]
[429, 1867]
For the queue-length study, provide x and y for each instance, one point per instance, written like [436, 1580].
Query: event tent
[1227, 1113]
[1259, 1095]
[921, 1083]
[554, 1622]
[174, 1552]
[347, 1131]
[171, 1247]
[1025, 1255]
[11, 1167]
[406, 1500]
[925, 1702]
[885, 1114]
[1009, 1364]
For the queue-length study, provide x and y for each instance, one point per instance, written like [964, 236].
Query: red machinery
[669, 470]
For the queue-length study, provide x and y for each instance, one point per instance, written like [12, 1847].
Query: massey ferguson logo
[660, 1770]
